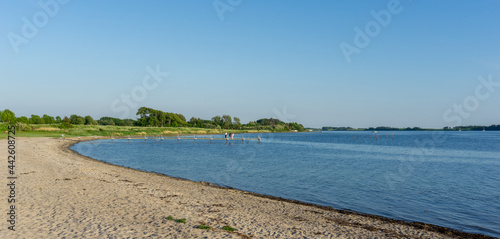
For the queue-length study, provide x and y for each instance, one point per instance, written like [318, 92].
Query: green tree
[252, 123]
[106, 121]
[76, 119]
[128, 122]
[153, 121]
[48, 119]
[217, 120]
[237, 123]
[155, 118]
[295, 126]
[270, 121]
[58, 119]
[23, 119]
[35, 119]
[192, 121]
[143, 112]
[162, 118]
[89, 120]
[226, 122]
[66, 123]
[8, 116]
[197, 122]
[181, 117]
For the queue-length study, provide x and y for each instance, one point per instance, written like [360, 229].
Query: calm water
[450, 179]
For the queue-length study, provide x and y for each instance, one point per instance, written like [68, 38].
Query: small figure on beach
[230, 135]
[225, 135]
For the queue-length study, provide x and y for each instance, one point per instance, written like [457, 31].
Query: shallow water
[450, 179]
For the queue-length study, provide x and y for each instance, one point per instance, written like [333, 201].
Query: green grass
[46, 130]
[203, 226]
[182, 220]
[228, 228]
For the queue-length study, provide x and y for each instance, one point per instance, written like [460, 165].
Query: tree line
[10, 117]
[157, 118]
[474, 128]
[385, 128]
[148, 117]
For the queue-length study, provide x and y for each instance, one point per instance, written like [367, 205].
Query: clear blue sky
[261, 58]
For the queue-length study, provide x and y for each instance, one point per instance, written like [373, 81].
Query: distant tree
[252, 123]
[209, 125]
[162, 118]
[270, 121]
[181, 117]
[236, 120]
[153, 121]
[192, 121]
[66, 123]
[48, 119]
[128, 122]
[142, 122]
[329, 128]
[116, 121]
[236, 123]
[217, 120]
[35, 119]
[1, 112]
[58, 119]
[23, 119]
[297, 126]
[8, 116]
[89, 120]
[493, 127]
[106, 122]
[77, 120]
[158, 118]
[226, 121]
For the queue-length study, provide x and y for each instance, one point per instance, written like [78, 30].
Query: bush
[22, 126]
[76, 119]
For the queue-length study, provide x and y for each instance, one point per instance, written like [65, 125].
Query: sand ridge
[65, 195]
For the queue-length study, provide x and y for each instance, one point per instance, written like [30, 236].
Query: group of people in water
[229, 136]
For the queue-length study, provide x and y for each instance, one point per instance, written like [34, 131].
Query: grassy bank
[47, 130]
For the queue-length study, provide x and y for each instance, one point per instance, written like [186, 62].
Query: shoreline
[252, 214]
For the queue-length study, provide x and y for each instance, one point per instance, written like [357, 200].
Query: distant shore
[64, 194]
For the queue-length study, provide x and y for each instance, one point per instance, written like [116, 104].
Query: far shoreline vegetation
[386, 128]
[150, 122]
[156, 122]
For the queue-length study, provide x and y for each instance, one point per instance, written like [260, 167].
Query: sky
[320, 63]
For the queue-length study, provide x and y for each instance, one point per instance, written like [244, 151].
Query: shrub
[22, 126]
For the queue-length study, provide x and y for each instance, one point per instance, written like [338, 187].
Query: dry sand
[62, 194]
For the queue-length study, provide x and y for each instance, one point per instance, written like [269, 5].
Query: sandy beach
[61, 194]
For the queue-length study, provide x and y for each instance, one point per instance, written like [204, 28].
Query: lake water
[450, 179]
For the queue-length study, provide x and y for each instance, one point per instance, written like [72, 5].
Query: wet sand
[61, 194]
